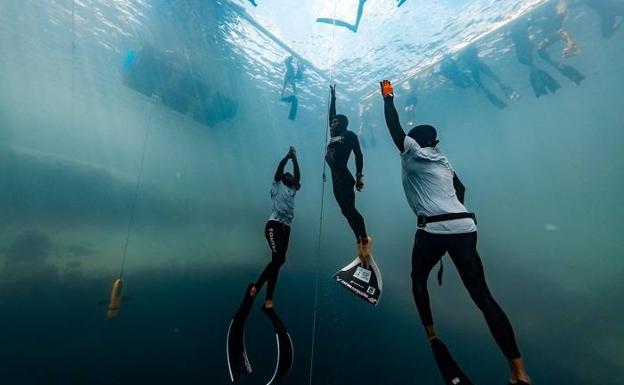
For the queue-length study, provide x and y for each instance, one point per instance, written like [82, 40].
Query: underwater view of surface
[139, 143]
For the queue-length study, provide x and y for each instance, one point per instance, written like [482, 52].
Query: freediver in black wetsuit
[339, 148]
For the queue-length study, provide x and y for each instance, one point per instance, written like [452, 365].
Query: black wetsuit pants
[345, 196]
[428, 249]
[277, 235]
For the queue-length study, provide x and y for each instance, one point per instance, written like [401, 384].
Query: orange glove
[386, 88]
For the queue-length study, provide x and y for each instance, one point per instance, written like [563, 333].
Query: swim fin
[238, 363]
[450, 371]
[366, 284]
[542, 82]
[571, 73]
[294, 105]
[338, 23]
[284, 346]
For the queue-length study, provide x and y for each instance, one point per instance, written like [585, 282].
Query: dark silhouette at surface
[611, 13]
[466, 70]
[155, 73]
[340, 23]
[291, 77]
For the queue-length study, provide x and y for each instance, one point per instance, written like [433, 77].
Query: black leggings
[345, 196]
[277, 235]
[428, 249]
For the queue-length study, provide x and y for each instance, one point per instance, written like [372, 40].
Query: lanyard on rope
[320, 231]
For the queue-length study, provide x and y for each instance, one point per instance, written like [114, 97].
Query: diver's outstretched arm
[357, 151]
[392, 116]
[293, 155]
[280, 168]
[332, 104]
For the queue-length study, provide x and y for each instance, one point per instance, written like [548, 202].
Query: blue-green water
[543, 175]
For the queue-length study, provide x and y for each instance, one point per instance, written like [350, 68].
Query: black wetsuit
[337, 156]
[277, 235]
[429, 248]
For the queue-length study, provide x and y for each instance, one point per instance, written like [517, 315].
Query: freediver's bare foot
[517, 372]
[366, 247]
[268, 304]
[253, 291]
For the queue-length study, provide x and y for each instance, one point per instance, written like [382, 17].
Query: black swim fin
[238, 364]
[284, 346]
[450, 371]
[571, 73]
[542, 82]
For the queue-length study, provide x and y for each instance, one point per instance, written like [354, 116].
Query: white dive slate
[364, 283]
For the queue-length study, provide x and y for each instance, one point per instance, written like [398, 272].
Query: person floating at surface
[339, 148]
[290, 77]
[541, 82]
[551, 23]
[470, 58]
[611, 13]
[401, 2]
[253, 2]
[449, 68]
[277, 229]
[340, 23]
[435, 194]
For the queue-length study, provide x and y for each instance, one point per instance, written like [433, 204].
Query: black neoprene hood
[424, 134]
[344, 122]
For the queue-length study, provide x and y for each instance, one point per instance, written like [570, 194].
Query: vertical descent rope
[320, 231]
[136, 189]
